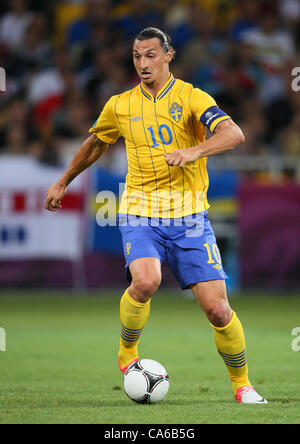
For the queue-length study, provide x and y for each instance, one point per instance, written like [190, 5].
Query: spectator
[141, 16]
[115, 83]
[290, 137]
[18, 113]
[204, 54]
[290, 10]
[73, 118]
[205, 43]
[184, 31]
[35, 50]
[246, 20]
[80, 31]
[176, 14]
[70, 123]
[46, 89]
[54, 93]
[16, 139]
[14, 23]
[83, 54]
[273, 46]
[253, 125]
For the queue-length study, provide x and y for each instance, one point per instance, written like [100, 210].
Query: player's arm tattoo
[99, 142]
[99, 146]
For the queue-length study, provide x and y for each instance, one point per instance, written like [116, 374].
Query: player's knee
[219, 315]
[145, 287]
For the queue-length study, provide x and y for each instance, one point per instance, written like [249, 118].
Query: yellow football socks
[231, 345]
[133, 316]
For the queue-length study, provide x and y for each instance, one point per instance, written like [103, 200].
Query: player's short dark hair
[163, 37]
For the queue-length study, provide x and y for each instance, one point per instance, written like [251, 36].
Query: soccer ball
[146, 381]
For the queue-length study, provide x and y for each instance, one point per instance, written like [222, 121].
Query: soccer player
[163, 213]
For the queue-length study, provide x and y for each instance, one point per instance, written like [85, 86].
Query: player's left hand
[181, 157]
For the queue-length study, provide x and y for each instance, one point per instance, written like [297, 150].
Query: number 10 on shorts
[215, 252]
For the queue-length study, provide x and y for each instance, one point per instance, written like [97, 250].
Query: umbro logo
[127, 248]
[217, 267]
[136, 118]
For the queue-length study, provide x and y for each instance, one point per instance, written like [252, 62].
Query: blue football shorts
[188, 244]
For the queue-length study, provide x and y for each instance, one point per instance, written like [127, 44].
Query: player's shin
[231, 345]
[133, 316]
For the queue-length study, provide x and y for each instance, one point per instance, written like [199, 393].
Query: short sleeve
[205, 109]
[106, 127]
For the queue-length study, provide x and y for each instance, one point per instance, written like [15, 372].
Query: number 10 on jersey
[164, 133]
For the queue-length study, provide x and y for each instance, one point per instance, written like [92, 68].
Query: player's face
[150, 60]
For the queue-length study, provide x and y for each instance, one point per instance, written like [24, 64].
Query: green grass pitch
[60, 365]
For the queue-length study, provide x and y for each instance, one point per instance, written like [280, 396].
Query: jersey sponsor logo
[176, 111]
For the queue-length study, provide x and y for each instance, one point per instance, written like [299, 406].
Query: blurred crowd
[64, 59]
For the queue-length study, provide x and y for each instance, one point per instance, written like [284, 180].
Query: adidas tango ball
[146, 381]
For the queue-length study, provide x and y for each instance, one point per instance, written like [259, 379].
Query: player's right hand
[55, 193]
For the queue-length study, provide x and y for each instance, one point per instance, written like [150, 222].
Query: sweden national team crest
[176, 112]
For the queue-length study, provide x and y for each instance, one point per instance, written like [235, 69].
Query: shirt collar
[161, 93]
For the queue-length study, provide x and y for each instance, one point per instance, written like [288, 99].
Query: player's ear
[169, 55]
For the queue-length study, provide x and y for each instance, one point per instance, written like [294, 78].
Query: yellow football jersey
[176, 119]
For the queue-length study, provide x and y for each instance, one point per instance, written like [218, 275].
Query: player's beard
[149, 82]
